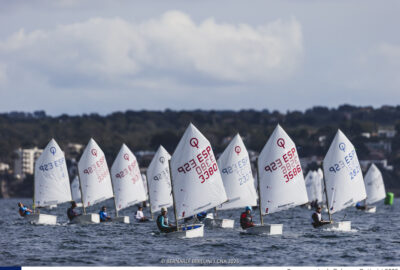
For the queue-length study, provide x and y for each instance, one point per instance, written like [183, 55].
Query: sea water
[374, 240]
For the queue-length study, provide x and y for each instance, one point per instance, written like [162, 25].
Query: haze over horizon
[79, 57]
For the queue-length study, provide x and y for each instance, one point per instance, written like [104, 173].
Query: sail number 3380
[204, 164]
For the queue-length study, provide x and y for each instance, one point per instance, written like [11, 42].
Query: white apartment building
[4, 167]
[25, 161]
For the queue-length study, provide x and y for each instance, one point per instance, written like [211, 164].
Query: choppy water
[375, 240]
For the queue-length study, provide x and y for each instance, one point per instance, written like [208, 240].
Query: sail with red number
[127, 180]
[237, 176]
[281, 178]
[196, 179]
[343, 175]
[94, 175]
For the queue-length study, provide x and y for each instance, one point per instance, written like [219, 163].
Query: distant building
[381, 146]
[366, 135]
[73, 150]
[383, 162]
[25, 161]
[309, 160]
[4, 167]
[388, 133]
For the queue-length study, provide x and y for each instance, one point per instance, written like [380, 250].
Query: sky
[100, 56]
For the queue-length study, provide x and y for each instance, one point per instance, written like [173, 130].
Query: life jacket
[159, 222]
[245, 220]
[71, 213]
[22, 211]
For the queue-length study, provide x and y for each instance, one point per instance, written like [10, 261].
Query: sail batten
[51, 177]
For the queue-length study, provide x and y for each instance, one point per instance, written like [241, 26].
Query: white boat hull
[268, 229]
[343, 226]
[219, 223]
[191, 231]
[42, 219]
[371, 209]
[123, 219]
[86, 219]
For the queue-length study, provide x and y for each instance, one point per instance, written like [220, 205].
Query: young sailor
[162, 222]
[140, 216]
[71, 211]
[360, 207]
[103, 215]
[246, 220]
[317, 220]
[23, 210]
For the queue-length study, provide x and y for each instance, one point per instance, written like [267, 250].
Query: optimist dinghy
[196, 181]
[375, 188]
[159, 182]
[344, 185]
[76, 191]
[127, 182]
[237, 177]
[95, 181]
[281, 183]
[51, 183]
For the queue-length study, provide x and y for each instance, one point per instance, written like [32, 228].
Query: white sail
[51, 177]
[282, 183]
[75, 190]
[196, 178]
[235, 167]
[374, 185]
[159, 181]
[310, 186]
[317, 186]
[314, 186]
[146, 191]
[343, 176]
[321, 179]
[127, 180]
[94, 175]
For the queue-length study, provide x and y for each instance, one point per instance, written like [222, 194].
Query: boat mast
[173, 196]
[115, 202]
[33, 198]
[326, 197]
[148, 194]
[80, 188]
[259, 194]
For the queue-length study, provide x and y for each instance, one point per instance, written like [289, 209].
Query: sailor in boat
[246, 220]
[23, 210]
[162, 222]
[104, 215]
[140, 216]
[197, 218]
[360, 207]
[71, 213]
[317, 220]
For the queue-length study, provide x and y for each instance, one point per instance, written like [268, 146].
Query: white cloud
[390, 52]
[111, 51]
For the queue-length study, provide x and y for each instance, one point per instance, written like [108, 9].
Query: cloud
[104, 52]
